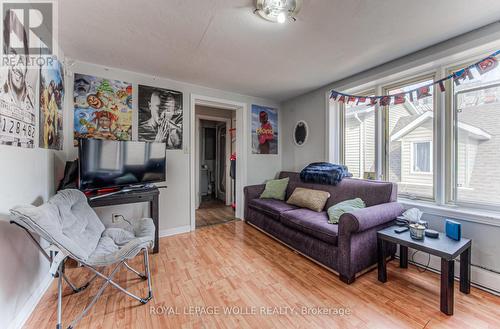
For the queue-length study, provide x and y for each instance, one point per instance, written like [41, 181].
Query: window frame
[451, 145]
[342, 127]
[386, 88]
[443, 153]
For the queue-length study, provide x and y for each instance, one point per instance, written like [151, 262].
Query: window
[359, 139]
[422, 155]
[452, 134]
[476, 139]
[407, 157]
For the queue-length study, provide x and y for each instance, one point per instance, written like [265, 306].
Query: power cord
[124, 219]
[426, 266]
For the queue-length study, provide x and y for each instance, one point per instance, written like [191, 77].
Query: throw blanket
[324, 173]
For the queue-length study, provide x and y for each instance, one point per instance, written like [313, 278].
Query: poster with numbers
[17, 106]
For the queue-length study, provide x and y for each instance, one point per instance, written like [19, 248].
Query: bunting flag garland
[483, 66]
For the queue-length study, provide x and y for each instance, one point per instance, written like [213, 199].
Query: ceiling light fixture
[278, 11]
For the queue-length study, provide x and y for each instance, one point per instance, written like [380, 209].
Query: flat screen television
[106, 164]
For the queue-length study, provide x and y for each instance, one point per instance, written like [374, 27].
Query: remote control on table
[401, 230]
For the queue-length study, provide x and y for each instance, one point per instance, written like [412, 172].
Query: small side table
[444, 247]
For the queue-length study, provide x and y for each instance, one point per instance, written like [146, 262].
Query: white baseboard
[174, 231]
[481, 278]
[28, 308]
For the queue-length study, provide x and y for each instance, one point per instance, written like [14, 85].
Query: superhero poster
[51, 102]
[102, 108]
[264, 130]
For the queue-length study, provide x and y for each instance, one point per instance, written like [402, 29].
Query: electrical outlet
[115, 218]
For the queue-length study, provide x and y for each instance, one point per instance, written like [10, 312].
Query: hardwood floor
[235, 265]
[213, 212]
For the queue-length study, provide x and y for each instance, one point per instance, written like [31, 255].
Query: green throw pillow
[335, 211]
[275, 189]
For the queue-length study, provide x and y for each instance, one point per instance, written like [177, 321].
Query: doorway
[215, 184]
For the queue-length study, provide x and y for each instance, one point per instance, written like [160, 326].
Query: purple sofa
[347, 248]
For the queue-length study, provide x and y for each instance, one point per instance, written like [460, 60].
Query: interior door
[220, 154]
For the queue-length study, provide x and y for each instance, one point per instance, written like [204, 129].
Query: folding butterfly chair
[73, 230]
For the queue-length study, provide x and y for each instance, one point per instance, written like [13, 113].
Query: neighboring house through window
[422, 157]
[453, 135]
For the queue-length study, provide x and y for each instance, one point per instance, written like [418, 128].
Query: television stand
[133, 195]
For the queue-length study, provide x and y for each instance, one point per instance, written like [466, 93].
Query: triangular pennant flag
[333, 95]
[486, 65]
[351, 99]
[385, 100]
[373, 101]
[399, 99]
[361, 100]
[423, 92]
[461, 75]
[441, 85]
[341, 99]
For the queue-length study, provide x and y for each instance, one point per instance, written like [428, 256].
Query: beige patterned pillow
[308, 198]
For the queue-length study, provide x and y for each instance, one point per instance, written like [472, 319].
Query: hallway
[213, 212]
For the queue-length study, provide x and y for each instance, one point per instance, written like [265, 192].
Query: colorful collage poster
[264, 130]
[102, 108]
[160, 116]
[51, 102]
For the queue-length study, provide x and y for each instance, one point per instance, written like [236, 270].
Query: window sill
[474, 215]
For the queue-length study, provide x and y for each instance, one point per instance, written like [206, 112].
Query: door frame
[197, 149]
[241, 150]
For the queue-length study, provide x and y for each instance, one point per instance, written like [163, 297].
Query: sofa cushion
[370, 191]
[271, 207]
[275, 189]
[308, 198]
[312, 223]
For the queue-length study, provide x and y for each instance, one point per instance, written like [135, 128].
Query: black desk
[142, 195]
[444, 247]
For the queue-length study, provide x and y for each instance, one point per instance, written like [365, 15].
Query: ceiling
[222, 44]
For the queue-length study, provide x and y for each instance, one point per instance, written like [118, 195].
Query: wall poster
[102, 108]
[51, 102]
[160, 116]
[264, 130]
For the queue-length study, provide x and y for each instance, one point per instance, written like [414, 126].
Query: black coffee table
[444, 247]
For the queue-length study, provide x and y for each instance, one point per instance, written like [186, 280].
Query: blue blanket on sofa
[324, 173]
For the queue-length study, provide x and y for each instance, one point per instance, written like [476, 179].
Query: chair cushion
[312, 223]
[271, 207]
[66, 220]
[117, 243]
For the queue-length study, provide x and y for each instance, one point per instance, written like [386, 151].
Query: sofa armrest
[253, 191]
[366, 218]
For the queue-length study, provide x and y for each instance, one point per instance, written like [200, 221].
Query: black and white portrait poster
[17, 104]
[160, 116]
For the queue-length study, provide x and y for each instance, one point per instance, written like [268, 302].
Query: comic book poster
[102, 108]
[264, 130]
[17, 105]
[160, 116]
[51, 102]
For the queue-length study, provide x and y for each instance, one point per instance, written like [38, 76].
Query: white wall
[30, 176]
[27, 176]
[174, 201]
[312, 107]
